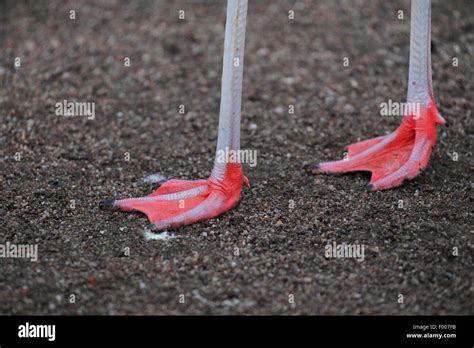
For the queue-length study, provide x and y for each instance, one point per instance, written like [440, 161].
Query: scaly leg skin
[401, 155]
[181, 202]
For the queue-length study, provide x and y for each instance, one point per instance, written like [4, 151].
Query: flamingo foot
[182, 202]
[393, 158]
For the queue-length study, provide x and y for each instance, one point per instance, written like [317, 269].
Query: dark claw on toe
[310, 167]
[107, 203]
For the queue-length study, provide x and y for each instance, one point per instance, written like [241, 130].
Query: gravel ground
[64, 166]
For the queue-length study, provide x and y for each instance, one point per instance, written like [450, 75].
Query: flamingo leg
[401, 155]
[181, 202]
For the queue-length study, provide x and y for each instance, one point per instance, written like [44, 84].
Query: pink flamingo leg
[401, 155]
[181, 202]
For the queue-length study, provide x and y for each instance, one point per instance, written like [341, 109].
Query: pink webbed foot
[182, 202]
[393, 158]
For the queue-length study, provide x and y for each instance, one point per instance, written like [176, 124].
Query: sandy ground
[50, 194]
